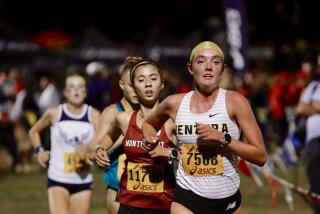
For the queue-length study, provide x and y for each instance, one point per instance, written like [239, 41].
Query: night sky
[270, 23]
[119, 20]
[129, 21]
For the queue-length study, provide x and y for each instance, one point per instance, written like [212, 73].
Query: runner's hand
[159, 151]
[149, 143]
[102, 159]
[43, 158]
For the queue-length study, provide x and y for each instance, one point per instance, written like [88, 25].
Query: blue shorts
[110, 175]
[72, 188]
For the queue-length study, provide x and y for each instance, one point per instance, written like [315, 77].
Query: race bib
[195, 164]
[121, 166]
[74, 162]
[142, 178]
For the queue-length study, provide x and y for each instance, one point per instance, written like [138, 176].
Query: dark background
[129, 20]
[120, 20]
[288, 26]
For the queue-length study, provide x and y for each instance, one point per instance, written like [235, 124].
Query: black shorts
[124, 209]
[72, 188]
[201, 205]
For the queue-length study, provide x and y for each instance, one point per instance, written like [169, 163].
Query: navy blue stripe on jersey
[64, 116]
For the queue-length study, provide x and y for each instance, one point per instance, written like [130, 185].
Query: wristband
[99, 146]
[38, 149]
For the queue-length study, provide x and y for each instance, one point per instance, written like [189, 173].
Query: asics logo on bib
[231, 205]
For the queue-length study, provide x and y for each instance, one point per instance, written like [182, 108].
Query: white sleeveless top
[212, 186]
[312, 93]
[66, 134]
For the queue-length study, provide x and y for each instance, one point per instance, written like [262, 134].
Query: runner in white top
[72, 127]
[208, 122]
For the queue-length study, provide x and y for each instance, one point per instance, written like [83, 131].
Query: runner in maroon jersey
[148, 179]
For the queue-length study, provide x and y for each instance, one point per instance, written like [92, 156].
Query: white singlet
[65, 165]
[225, 181]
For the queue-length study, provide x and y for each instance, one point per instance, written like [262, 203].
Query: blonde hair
[206, 44]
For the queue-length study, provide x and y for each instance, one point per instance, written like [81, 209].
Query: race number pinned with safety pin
[139, 175]
[195, 164]
[74, 162]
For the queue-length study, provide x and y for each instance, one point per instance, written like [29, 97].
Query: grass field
[26, 193]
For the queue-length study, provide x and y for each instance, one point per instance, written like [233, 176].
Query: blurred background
[280, 32]
[271, 48]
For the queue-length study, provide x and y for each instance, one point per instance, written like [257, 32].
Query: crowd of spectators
[25, 95]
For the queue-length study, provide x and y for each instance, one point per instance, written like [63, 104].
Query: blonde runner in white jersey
[204, 181]
[208, 122]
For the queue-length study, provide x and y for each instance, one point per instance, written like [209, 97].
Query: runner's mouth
[149, 92]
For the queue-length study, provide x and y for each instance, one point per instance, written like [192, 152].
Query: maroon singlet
[146, 182]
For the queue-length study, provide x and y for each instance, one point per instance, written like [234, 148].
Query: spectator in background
[260, 88]
[7, 97]
[24, 114]
[15, 76]
[299, 82]
[49, 95]
[99, 87]
[30, 115]
[309, 105]
[278, 103]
